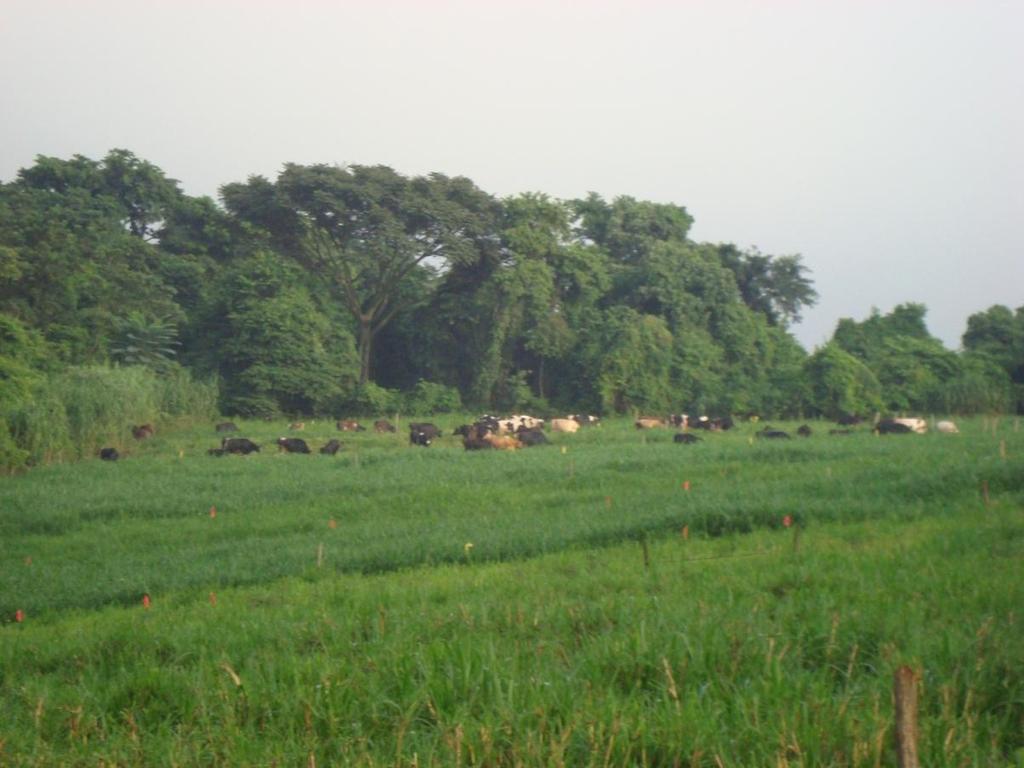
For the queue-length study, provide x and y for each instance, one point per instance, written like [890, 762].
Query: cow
[804, 430]
[709, 424]
[423, 433]
[531, 437]
[430, 430]
[143, 432]
[586, 420]
[503, 443]
[648, 422]
[772, 434]
[292, 445]
[565, 425]
[242, 445]
[348, 425]
[891, 427]
[226, 426]
[848, 420]
[514, 422]
[383, 425]
[920, 426]
[331, 447]
[296, 426]
[109, 454]
[492, 423]
[473, 442]
[680, 420]
[947, 427]
[685, 438]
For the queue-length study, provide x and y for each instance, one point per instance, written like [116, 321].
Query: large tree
[365, 230]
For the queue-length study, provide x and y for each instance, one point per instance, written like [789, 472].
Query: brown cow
[383, 425]
[143, 432]
[348, 425]
[502, 443]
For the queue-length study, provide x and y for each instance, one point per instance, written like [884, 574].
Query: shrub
[428, 397]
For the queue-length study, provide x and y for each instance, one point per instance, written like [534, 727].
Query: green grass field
[395, 605]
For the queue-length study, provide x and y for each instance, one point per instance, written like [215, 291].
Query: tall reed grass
[74, 413]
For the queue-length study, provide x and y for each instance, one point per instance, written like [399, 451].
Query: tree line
[356, 289]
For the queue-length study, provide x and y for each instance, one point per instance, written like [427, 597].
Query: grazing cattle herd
[517, 431]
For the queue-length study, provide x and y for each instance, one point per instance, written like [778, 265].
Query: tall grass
[71, 415]
[732, 651]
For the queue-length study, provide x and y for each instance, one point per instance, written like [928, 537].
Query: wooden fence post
[905, 696]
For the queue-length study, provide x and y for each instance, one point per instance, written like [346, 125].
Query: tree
[838, 383]
[272, 347]
[775, 286]
[146, 341]
[365, 229]
[997, 334]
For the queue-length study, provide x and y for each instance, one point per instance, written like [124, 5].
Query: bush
[369, 400]
[428, 397]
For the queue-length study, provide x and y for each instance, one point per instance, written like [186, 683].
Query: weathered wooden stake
[319, 555]
[1002, 449]
[796, 538]
[572, 467]
[905, 696]
[984, 492]
[647, 553]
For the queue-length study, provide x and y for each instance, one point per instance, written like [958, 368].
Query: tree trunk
[365, 345]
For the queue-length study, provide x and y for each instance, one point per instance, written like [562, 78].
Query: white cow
[564, 425]
[948, 427]
[917, 425]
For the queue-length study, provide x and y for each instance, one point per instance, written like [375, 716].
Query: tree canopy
[332, 289]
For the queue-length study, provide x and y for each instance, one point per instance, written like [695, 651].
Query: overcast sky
[882, 141]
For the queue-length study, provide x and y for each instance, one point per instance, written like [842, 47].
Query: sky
[881, 141]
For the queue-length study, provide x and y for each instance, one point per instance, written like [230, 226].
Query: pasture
[611, 599]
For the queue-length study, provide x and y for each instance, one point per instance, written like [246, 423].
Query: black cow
[803, 430]
[226, 426]
[241, 445]
[331, 448]
[109, 454]
[474, 442]
[712, 424]
[531, 437]
[586, 420]
[848, 420]
[423, 433]
[891, 427]
[292, 445]
[772, 434]
[685, 438]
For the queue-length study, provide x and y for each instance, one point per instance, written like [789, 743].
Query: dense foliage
[337, 290]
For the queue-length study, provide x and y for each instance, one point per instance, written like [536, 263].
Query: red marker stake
[787, 521]
[19, 615]
[146, 602]
[213, 511]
